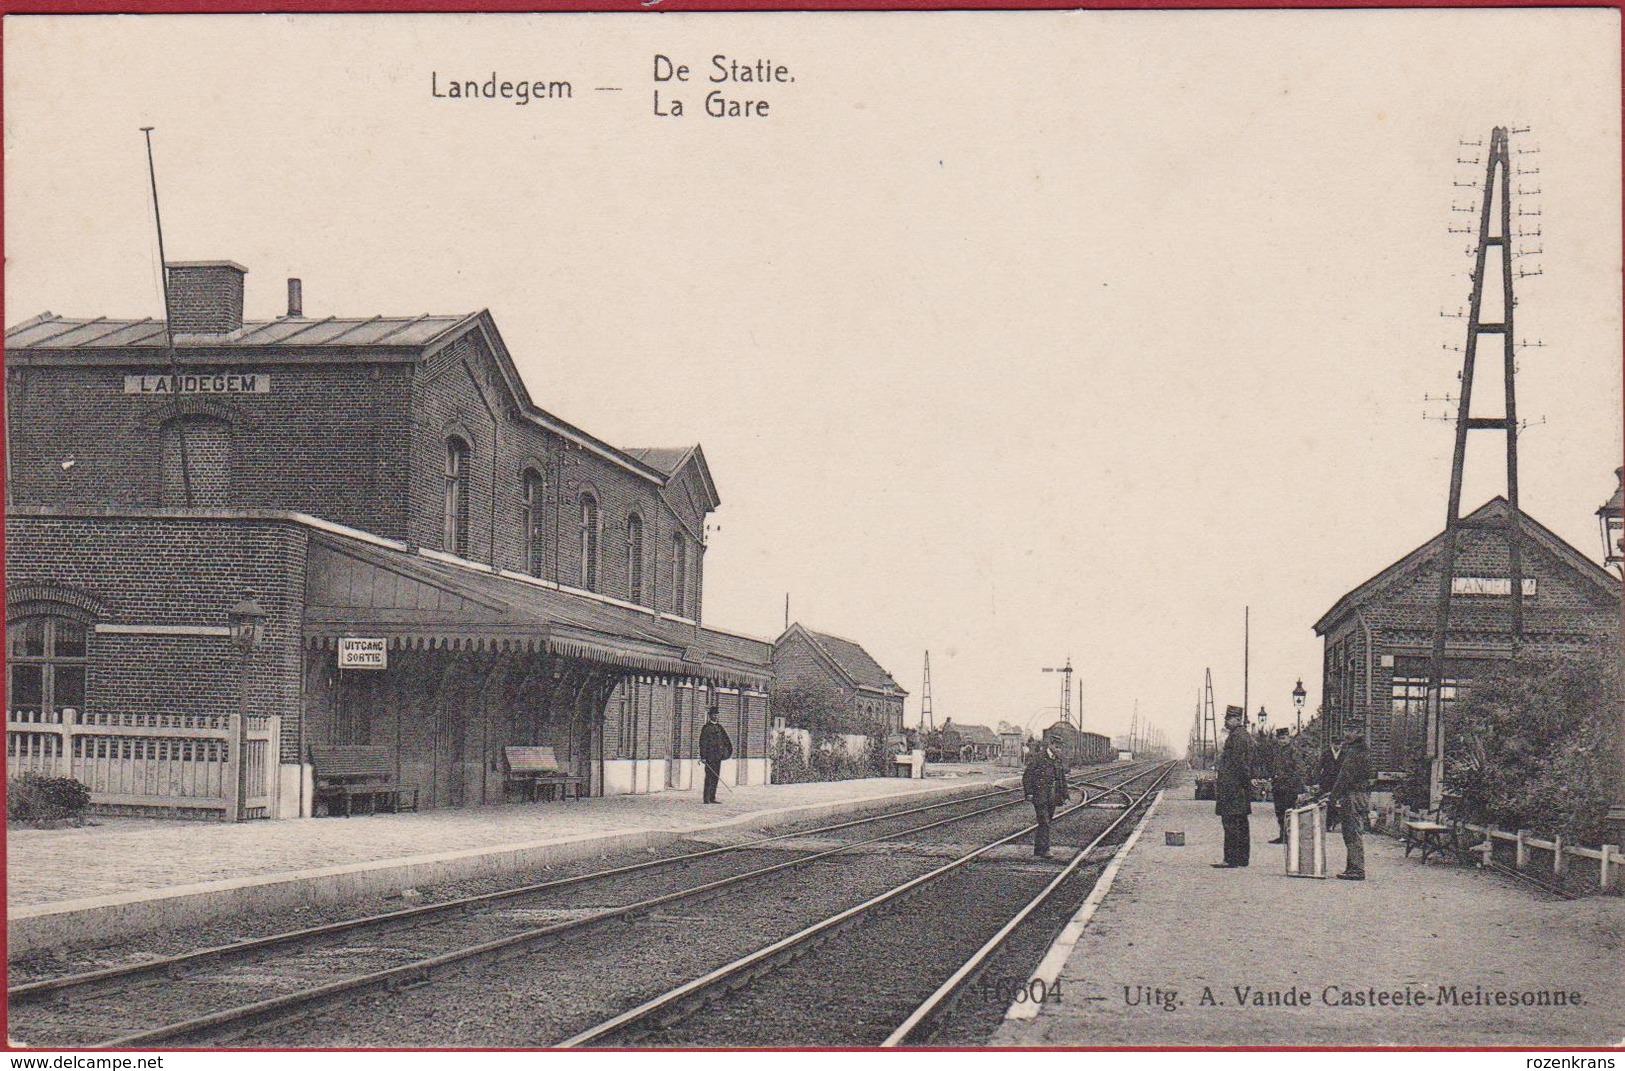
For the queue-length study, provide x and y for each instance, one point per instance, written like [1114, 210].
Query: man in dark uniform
[1328, 769]
[1286, 784]
[1350, 794]
[714, 748]
[1234, 790]
[1044, 782]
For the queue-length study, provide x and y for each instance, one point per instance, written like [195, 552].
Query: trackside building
[381, 483]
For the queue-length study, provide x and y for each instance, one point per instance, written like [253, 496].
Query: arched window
[535, 521]
[45, 668]
[679, 575]
[455, 537]
[634, 558]
[196, 462]
[589, 542]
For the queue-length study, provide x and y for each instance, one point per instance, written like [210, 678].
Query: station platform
[78, 887]
[1180, 954]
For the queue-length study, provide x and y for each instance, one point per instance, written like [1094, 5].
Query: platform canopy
[356, 587]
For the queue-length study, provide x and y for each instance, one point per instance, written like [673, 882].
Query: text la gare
[743, 99]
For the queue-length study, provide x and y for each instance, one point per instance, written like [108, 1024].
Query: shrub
[789, 764]
[32, 797]
[1531, 746]
[877, 757]
[832, 762]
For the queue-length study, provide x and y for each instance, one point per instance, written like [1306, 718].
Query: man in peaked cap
[1286, 783]
[1350, 794]
[1233, 795]
[1044, 783]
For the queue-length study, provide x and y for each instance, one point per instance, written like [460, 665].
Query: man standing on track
[1044, 782]
[714, 748]
[1234, 791]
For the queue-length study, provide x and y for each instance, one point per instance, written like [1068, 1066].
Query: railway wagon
[1078, 748]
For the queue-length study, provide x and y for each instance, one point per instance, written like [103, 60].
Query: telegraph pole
[1494, 231]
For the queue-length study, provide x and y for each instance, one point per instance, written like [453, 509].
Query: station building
[372, 482]
[1379, 636]
[804, 658]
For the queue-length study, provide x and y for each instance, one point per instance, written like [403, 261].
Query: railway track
[220, 993]
[866, 979]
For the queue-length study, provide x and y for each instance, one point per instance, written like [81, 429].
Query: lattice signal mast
[1210, 724]
[1066, 690]
[928, 722]
[1193, 748]
[1494, 232]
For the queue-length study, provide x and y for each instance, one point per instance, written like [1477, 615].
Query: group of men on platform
[1344, 781]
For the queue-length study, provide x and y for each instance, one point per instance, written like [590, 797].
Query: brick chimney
[206, 296]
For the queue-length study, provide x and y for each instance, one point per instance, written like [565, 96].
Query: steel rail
[671, 1004]
[419, 971]
[169, 965]
[938, 1003]
[1511, 872]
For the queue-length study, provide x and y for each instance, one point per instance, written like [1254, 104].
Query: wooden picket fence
[1564, 857]
[167, 764]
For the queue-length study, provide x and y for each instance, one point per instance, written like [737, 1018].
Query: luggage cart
[1306, 841]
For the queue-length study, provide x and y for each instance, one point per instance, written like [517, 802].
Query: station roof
[426, 600]
[51, 332]
[1496, 509]
[849, 659]
[667, 459]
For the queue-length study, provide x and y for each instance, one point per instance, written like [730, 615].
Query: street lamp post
[247, 626]
[1611, 520]
[1298, 696]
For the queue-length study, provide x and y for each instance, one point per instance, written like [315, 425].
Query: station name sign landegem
[1489, 585]
[363, 652]
[199, 383]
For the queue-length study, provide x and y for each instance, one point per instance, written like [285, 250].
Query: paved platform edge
[90, 922]
[1060, 950]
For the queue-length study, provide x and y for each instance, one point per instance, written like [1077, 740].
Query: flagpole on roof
[169, 330]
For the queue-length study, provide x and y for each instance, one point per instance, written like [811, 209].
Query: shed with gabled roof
[1379, 636]
[802, 657]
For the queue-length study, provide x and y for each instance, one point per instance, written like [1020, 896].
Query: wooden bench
[536, 770]
[345, 773]
[1434, 838]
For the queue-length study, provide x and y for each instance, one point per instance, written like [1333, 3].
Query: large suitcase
[1306, 841]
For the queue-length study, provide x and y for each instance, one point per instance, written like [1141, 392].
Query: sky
[1010, 337]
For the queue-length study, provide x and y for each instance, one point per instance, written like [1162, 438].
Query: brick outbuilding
[1379, 636]
[820, 660]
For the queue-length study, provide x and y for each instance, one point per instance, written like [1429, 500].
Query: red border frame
[309, 7]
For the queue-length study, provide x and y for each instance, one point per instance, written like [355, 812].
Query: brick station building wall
[1566, 615]
[648, 721]
[173, 571]
[359, 443]
[325, 440]
[458, 392]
